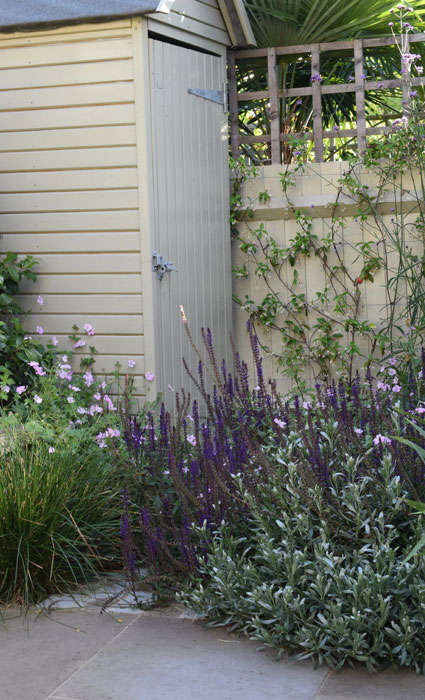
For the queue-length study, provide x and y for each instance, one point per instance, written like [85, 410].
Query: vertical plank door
[191, 208]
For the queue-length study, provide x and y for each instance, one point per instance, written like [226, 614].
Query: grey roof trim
[28, 13]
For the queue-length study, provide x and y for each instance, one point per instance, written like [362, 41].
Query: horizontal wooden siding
[68, 183]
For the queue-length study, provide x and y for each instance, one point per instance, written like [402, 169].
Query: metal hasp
[161, 266]
[219, 96]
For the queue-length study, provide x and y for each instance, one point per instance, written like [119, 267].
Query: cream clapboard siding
[198, 22]
[69, 185]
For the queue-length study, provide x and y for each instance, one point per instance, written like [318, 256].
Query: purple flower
[396, 389]
[37, 398]
[299, 102]
[54, 341]
[381, 439]
[5, 389]
[20, 389]
[132, 363]
[149, 376]
[70, 399]
[191, 439]
[279, 422]
[420, 409]
[358, 431]
[51, 450]
[79, 344]
[39, 330]
[40, 300]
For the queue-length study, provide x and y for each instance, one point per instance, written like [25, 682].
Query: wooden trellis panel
[359, 85]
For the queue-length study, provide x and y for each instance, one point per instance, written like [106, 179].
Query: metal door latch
[161, 266]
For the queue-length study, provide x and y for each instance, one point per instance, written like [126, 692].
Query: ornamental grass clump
[59, 512]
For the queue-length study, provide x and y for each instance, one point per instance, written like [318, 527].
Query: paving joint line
[52, 695]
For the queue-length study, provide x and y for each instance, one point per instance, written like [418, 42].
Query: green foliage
[59, 510]
[322, 576]
[16, 347]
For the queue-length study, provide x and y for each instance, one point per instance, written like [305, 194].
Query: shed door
[191, 207]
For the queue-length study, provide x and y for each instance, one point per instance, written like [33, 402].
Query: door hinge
[160, 265]
[219, 96]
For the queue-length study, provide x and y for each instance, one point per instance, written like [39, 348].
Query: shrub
[182, 472]
[294, 580]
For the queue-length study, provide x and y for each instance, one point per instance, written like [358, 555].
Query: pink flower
[97, 396]
[70, 399]
[396, 388]
[191, 439]
[358, 431]
[89, 329]
[51, 450]
[280, 423]
[40, 300]
[149, 376]
[111, 406]
[420, 409]
[20, 389]
[392, 371]
[39, 330]
[54, 341]
[132, 363]
[88, 378]
[37, 398]
[81, 410]
[381, 439]
[79, 344]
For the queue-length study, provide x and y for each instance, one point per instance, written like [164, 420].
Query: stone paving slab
[358, 684]
[39, 651]
[166, 654]
[163, 658]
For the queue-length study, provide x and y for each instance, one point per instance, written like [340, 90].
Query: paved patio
[80, 654]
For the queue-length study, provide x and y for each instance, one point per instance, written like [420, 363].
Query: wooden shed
[113, 163]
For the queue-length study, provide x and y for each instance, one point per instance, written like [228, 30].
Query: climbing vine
[327, 332]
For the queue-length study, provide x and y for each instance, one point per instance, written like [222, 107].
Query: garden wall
[314, 192]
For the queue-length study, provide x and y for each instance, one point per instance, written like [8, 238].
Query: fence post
[233, 105]
[274, 107]
[317, 103]
[360, 95]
